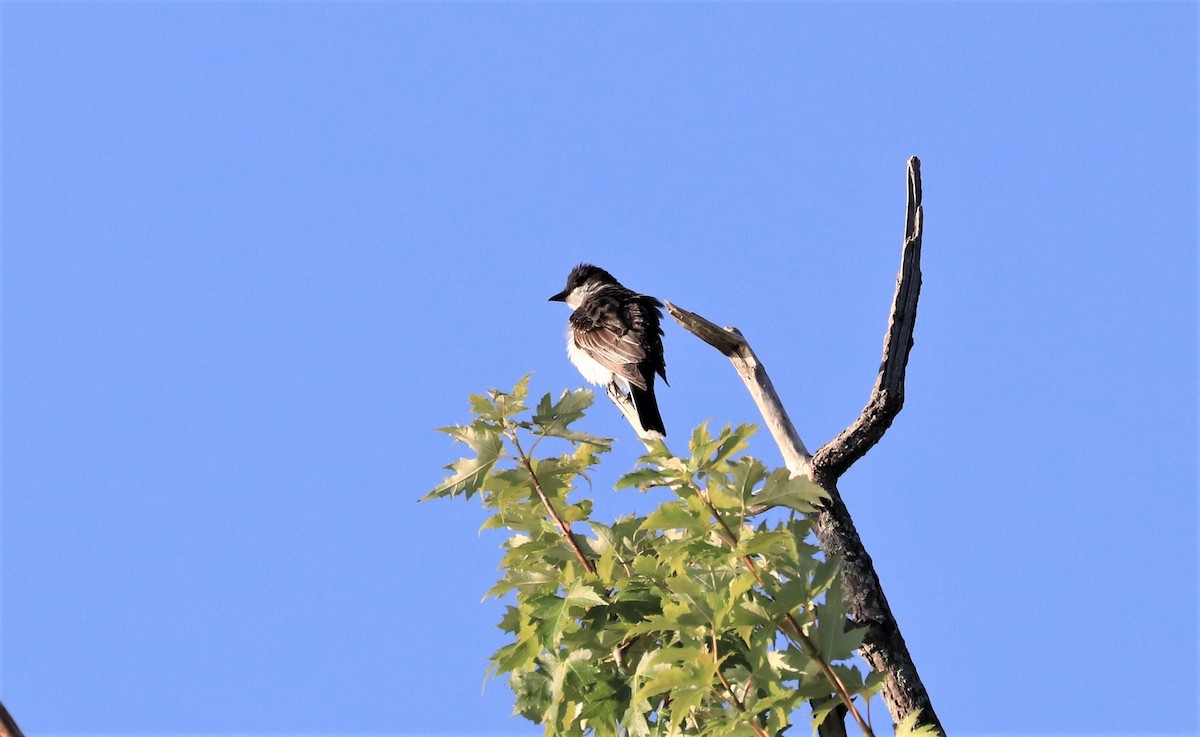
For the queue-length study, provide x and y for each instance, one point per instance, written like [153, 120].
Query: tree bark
[8, 727]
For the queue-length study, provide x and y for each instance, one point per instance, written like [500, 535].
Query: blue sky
[254, 252]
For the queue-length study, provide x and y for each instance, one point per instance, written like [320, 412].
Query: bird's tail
[647, 408]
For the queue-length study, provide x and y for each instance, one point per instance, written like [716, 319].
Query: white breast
[588, 366]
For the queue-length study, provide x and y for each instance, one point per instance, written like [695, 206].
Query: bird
[614, 337]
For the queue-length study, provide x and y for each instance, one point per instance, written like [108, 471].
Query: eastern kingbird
[614, 337]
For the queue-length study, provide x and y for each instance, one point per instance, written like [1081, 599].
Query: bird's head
[583, 280]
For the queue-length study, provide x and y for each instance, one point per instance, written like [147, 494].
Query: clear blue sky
[254, 252]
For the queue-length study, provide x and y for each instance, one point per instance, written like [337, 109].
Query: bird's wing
[600, 332]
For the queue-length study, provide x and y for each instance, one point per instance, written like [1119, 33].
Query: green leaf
[606, 564]
[511, 621]
[747, 615]
[521, 388]
[569, 408]
[580, 510]
[555, 615]
[469, 474]
[642, 479]
[521, 517]
[692, 602]
[700, 447]
[719, 496]
[514, 656]
[834, 640]
[675, 515]
[636, 601]
[823, 709]
[510, 487]
[648, 566]
[730, 442]
[512, 403]
[603, 707]
[635, 650]
[770, 544]
[779, 701]
[551, 616]
[582, 594]
[635, 721]
[556, 482]
[784, 490]
[482, 406]
[498, 406]
[606, 537]
[666, 679]
[874, 682]
[666, 668]
[824, 574]
[569, 663]
[687, 698]
[906, 727]
[746, 474]
[553, 419]
[790, 595]
[526, 579]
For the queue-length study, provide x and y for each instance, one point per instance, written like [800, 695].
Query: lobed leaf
[470, 474]
[782, 489]
[636, 650]
[553, 419]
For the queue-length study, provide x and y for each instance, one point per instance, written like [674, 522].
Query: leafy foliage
[704, 617]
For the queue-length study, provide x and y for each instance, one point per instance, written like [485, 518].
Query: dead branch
[625, 403]
[883, 646]
[8, 727]
[732, 343]
[887, 397]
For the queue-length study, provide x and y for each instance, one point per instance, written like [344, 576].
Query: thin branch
[887, 397]
[625, 403]
[732, 343]
[588, 565]
[883, 646]
[8, 727]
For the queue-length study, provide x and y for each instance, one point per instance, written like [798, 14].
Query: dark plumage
[615, 335]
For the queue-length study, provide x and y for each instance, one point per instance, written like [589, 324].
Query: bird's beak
[560, 297]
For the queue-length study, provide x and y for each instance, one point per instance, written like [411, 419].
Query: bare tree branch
[625, 403]
[732, 343]
[887, 397]
[8, 728]
[883, 646]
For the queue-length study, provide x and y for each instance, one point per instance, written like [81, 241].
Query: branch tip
[887, 396]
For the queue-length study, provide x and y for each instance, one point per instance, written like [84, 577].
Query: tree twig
[588, 565]
[883, 645]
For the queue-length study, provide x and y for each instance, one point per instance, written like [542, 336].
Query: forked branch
[887, 397]
[883, 646]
